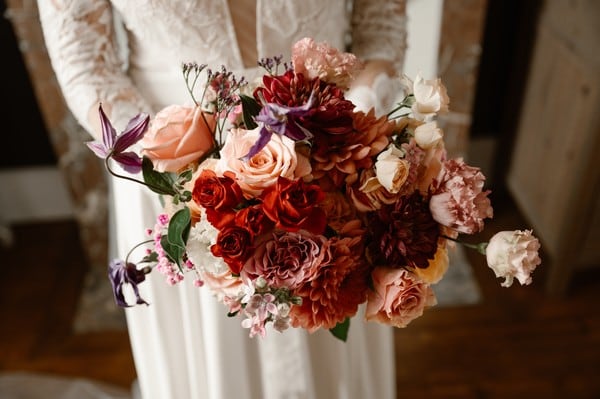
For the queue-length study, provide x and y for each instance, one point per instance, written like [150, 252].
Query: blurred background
[524, 82]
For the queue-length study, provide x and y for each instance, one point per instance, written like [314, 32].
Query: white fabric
[184, 346]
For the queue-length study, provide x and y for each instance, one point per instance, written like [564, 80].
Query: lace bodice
[161, 34]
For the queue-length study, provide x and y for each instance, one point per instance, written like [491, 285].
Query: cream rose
[428, 135]
[430, 98]
[391, 170]
[277, 158]
[398, 297]
[178, 136]
[513, 254]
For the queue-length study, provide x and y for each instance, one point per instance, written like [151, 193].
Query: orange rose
[178, 136]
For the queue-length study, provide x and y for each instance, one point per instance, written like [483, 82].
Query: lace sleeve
[82, 47]
[379, 30]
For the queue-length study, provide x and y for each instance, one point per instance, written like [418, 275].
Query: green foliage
[340, 331]
[250, 108]
[174, 241]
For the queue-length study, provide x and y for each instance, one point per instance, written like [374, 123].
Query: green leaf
[161, 183]
[340, 331]
[174, 241]
[250, 108]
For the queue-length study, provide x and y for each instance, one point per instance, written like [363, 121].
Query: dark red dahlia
[403, 233]
[331, 113]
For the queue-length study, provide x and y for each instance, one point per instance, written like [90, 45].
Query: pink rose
[513, 254]
[458, 199]
[288, 259]
[398, 297]
[320, 60]
[223, 284]
[178, 136]
[277, 158]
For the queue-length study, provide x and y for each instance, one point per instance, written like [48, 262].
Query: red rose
[293, 205]
[216, 192]
[219, 195]
[254, 219]
[234, 245]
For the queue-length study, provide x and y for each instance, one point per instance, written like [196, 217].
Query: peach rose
[277, 159]
[513, 254]
[178, 136]
[391, 169]
[398, 297]
[428, 135]
[320, 60]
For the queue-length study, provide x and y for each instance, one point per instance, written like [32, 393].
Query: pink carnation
[398, 297]
[319, 60]
[458, 199]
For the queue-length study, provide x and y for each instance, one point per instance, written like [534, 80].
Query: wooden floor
[517, 343]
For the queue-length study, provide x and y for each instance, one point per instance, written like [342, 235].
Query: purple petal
[133, 132]
[98, 148]
[120, 273]
[108, 131]
[265, 136]
[129, 161]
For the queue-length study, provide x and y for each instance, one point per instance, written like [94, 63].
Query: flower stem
[134, 248]
[112, 172]
[478, 247]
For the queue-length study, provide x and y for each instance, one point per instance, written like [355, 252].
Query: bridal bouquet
[294, 208]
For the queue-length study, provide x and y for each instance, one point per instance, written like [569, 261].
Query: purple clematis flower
[114, 146]
[281, 120]
[121, 273]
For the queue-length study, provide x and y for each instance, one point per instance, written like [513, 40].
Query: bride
[184, 345]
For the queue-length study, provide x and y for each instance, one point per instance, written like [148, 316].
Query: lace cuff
[82, 47]
[379, 30]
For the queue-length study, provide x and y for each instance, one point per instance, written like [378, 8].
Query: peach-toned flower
[513, 254]
[338, 289]
[288, 260]
[367, 194]
[178, 136]
[338, 209]
[341, 161]
[437, 267]
[428, 135]
[430, 98]
[320, 60]
[458, 199]
[277, 159]
[398, 297]
[391, 169]
[223, 284]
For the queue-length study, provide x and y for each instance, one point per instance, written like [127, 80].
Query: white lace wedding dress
[184, 345]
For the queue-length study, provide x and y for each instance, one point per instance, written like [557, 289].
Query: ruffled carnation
[319, 60]
[513, 254]
[458, 200]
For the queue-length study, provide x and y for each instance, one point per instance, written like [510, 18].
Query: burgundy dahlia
[403, 233]
[331, 113]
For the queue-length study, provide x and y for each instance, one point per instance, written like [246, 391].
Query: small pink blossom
[458, 199]
[320, 60]
[398, 297]
[513, 254]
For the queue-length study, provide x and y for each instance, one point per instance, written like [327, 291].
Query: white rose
[391, 169]
[430, 98]
[428, 135]
[513, 254]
